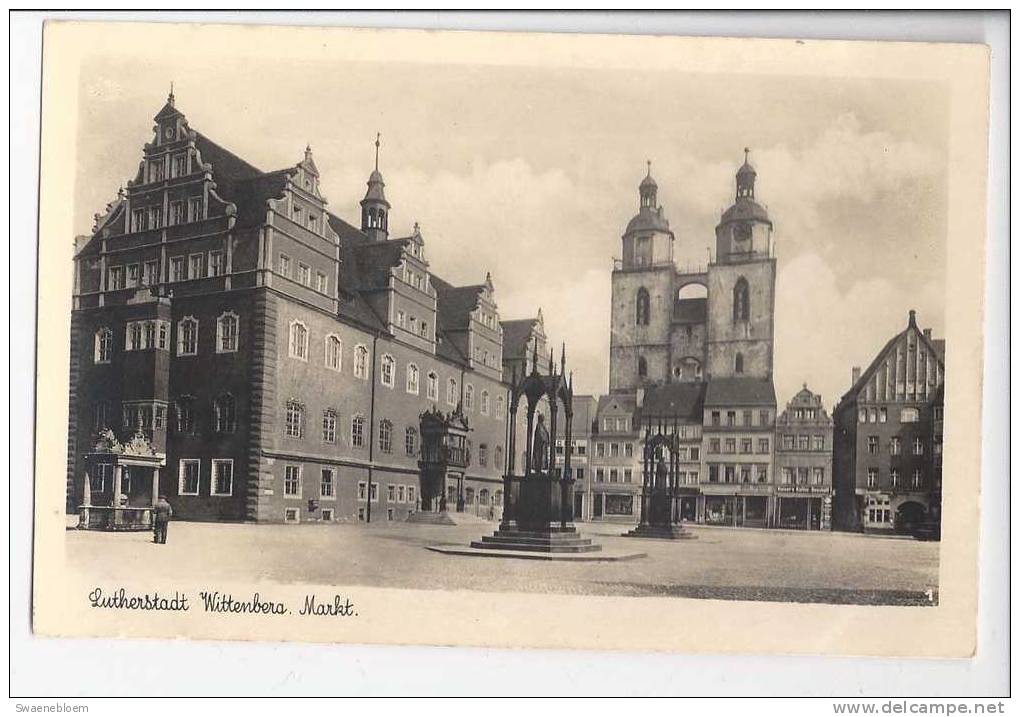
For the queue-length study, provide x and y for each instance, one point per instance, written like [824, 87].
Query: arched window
[104, 345]
[432, 386]
[741, 300]
[226, 333]
[643, 306]
[334, 352]
[483, 454]
[738, 363]
[298, 340]
[451, 392]
[469, 397]
[411, 441]
[187, 336]
[497, 461]
[500, 407]
[360, 361]
[295, 421]
[412, 379]
[386, 436]
[358, 431]
[388, 369]
[642, 367]
[225, 413]
[484, 403]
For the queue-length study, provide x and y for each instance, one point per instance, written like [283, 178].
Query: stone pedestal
[657, 518]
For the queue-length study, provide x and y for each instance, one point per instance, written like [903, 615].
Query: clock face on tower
[742, 233]
[168, 132]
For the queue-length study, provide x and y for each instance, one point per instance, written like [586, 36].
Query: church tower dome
[375, 210]
[744, 230]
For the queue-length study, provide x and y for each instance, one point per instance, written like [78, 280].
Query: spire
[563, 358]
[374, 207]
[170, 97]
[378, 135]
[648, 189]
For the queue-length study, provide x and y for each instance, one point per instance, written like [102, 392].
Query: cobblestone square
[721, 563]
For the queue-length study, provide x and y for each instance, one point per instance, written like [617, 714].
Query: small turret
[375, 210]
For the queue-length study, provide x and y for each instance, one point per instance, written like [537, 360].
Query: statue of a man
[540, 446]
[660, 473]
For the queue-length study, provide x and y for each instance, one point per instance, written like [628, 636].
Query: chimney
[640, 397]
[927, 334]
[855, 375]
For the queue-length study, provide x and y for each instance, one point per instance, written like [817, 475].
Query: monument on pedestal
[538, 505]
[660, 484]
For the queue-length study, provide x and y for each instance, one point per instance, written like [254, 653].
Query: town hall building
[265, 360]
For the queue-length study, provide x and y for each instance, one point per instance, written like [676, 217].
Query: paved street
[722, 563]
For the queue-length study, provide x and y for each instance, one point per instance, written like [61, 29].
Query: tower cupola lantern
[648, 190]
[375, 210]
[745, 178]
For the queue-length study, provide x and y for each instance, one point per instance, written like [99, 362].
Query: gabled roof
[617, 403]
[250, 195]
[740, 391]
[227, 166]
[937, 346]
[686, 401]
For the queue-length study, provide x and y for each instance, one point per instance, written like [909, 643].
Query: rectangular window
[916, 480]
[329, 426]
[391, 493]
[746, 445]
[695, 453]
[872, 477]
[873, 445]
[133, 275]
[818, 476]
[292, 481]
[762, 473]
[362, 490]
[713, 474]
[358, 432]
[195, 262]
[715, 418]
[291, 515]
[731, 445]
[600, 475]
[150, 273]
[803, 443]
[215, 263]
[285, 265]
[223, 476]
[763, 445]
[614, 449]
[787, 442]
[304, 274]
[747, 418]
[327, 515]
[730, 474]
[883, 415]
[731, 418]
[180, 165]
[787, 476]
[713, 445]
[600, 450]
[894, 478]
[155, 217]
[138, 220]
[294, 416]
[410, 494]
[818, 443]
[628, 475]
[628, 450]
[401, 494]
[745, 474]
[115, 278]
[195, 211]
[321, 285]
[177, 269]
[373, 493]
[614, 475]
[178, 213]
[326, 486]
[918, 447]
[188, 476]
[763, 418]
[156, 171]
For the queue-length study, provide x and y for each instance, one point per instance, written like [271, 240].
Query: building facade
[616, 459]
[887, 437]
[581, 428]
[803, 449]
[277, 359]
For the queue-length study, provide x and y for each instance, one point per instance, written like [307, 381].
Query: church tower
[642, 298]
[375, 210]
[741, 287]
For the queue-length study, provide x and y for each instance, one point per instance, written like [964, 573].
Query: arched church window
[643, 306]
[738, 363]
[642, 367]
[741, 300]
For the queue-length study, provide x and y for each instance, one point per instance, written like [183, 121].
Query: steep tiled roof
[686, 401]
[250, 195]
[516, 333]
[938, 347]
[454, 304]
[739, 391]
[227, 166]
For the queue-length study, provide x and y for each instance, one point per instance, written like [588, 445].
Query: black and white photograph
[394, 336]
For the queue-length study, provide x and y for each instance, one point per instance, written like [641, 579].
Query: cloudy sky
[532, 174]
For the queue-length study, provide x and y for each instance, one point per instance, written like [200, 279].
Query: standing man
[161, 514]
